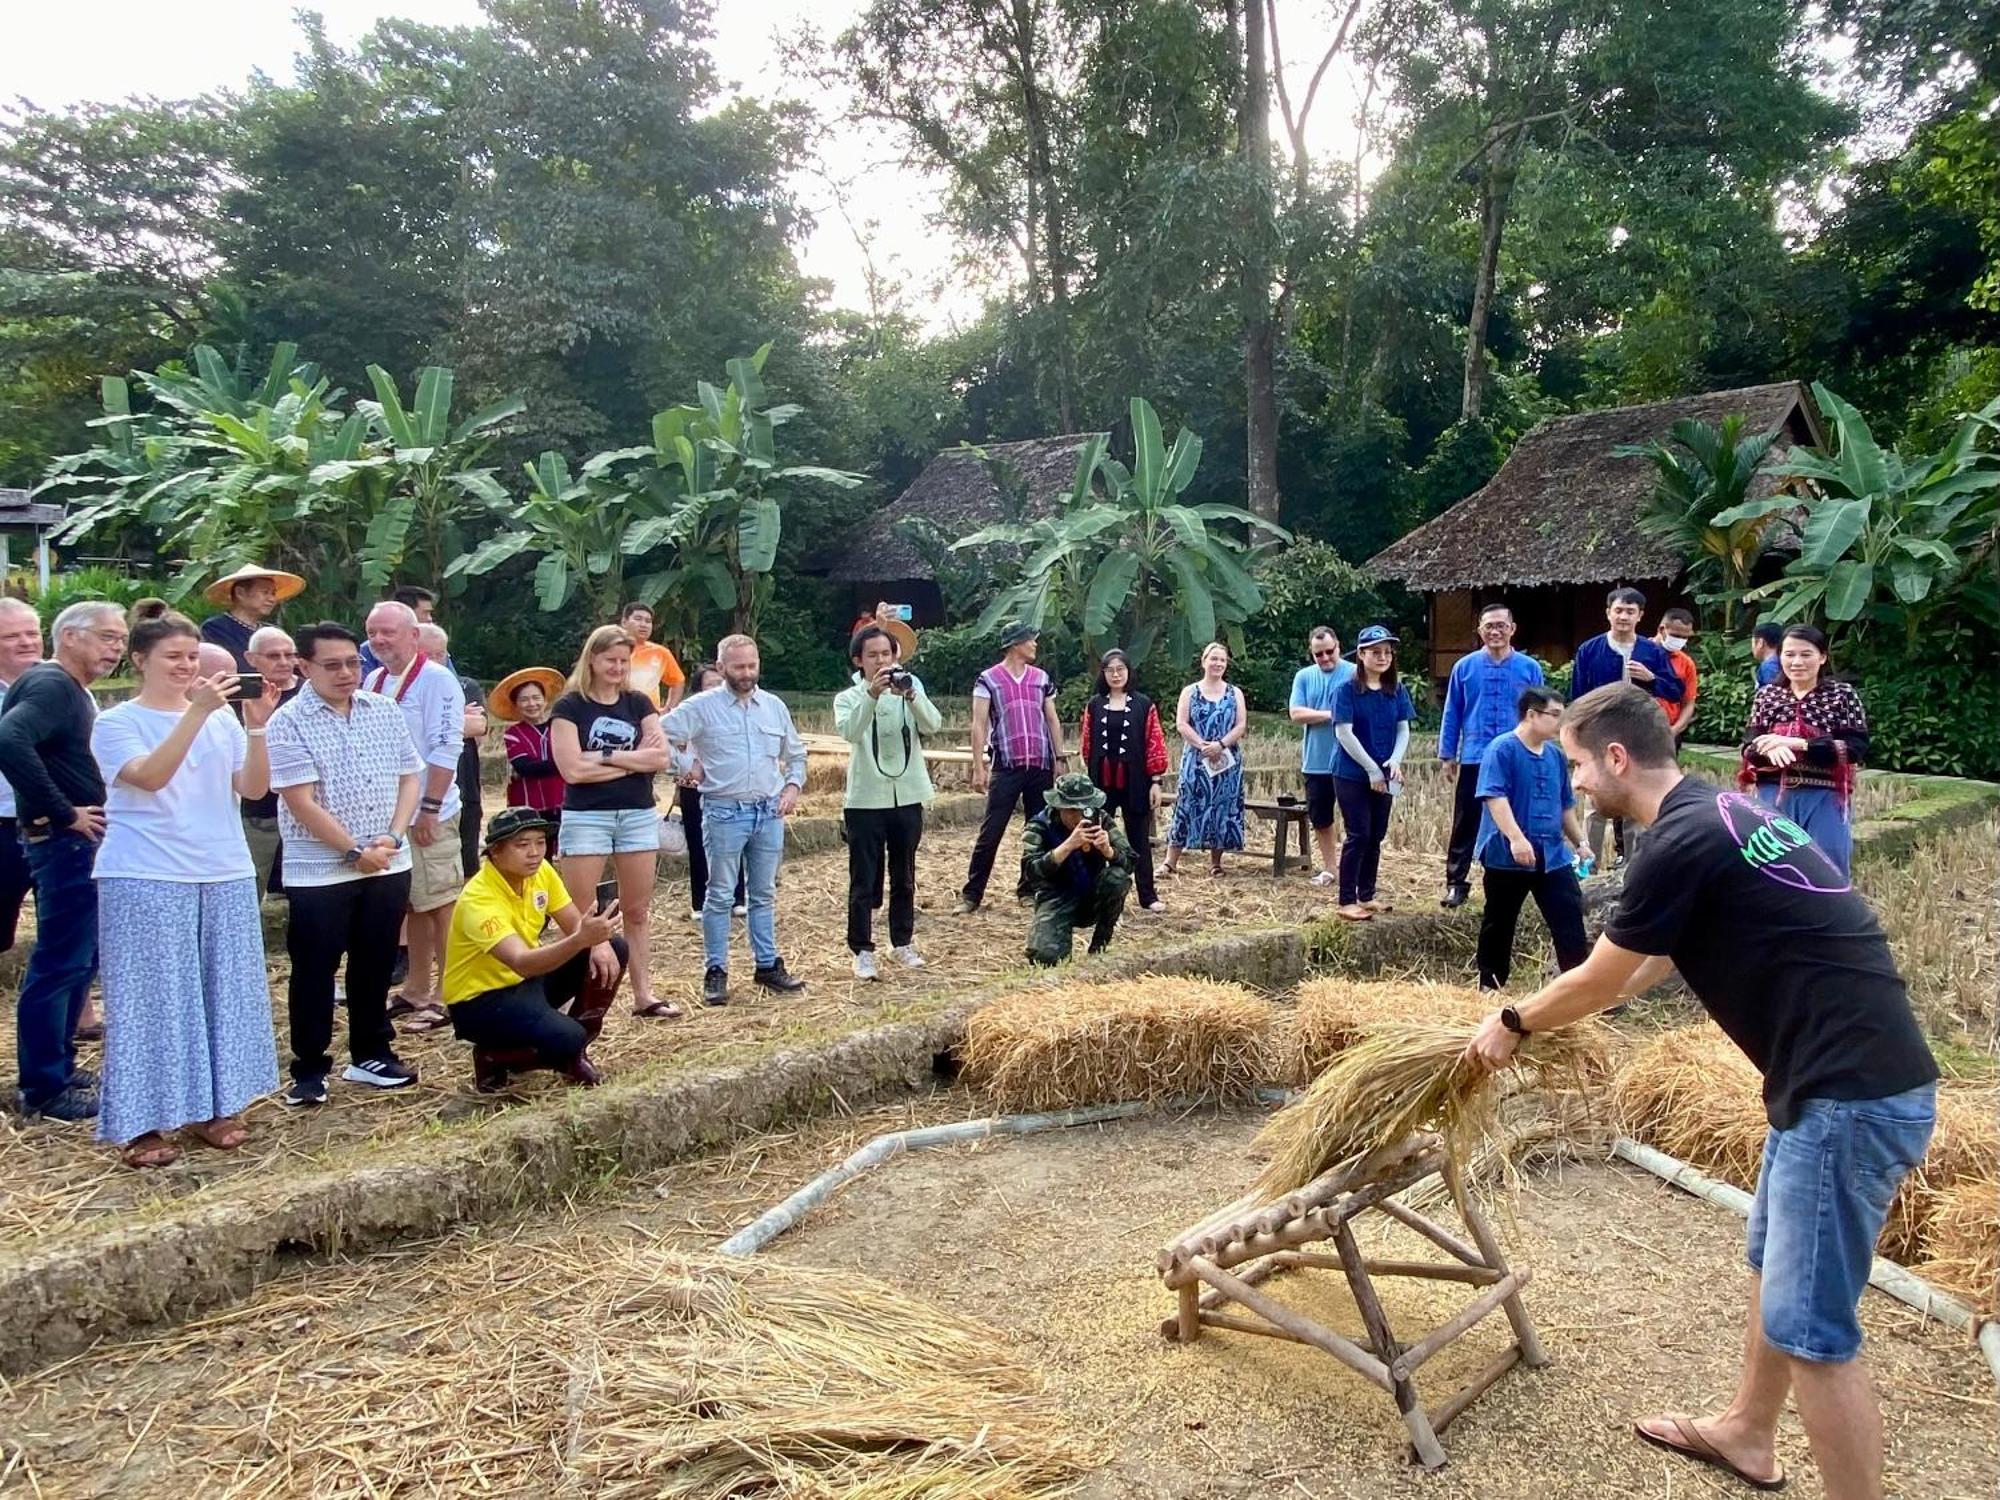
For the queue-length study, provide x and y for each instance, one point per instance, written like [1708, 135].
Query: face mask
[1674, 642]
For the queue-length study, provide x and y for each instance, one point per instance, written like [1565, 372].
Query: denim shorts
[1822, 1195]
[630, 830]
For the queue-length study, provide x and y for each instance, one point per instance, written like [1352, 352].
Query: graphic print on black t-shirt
[1776, 945]
[608, 733]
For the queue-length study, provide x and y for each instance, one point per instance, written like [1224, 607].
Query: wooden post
[1190, 1312]
[1489, 1246]
[1430, 1452]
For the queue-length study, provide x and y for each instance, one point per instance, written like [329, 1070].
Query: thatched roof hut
[1559, 524]
[956, 493]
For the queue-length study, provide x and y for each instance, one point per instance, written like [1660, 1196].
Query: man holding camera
[883, 717]
[1078, 868]
[1013, 715]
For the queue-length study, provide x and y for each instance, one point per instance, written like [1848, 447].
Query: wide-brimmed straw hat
[500, 702]
[289, 585]
[904, 637]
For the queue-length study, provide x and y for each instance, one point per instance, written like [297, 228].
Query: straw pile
[582, 1368]
[1965, 1146]
[1401, 1077]
[1962, 1242]
[1156, 1037]
[1693, 1095]
[1332, 1014]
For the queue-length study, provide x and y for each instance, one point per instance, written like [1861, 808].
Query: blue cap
[1375, 635]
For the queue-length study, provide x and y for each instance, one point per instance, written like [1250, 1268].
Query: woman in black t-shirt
[607, 743]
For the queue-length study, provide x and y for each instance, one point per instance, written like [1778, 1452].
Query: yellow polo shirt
[488, 910]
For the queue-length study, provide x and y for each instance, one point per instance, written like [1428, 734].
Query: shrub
[1308, 584]
[69, 588]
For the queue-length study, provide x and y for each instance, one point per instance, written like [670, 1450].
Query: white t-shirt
[190, 829]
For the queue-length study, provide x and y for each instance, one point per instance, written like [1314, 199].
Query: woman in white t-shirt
[187, 1006]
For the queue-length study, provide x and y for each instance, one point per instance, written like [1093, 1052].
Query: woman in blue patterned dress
[187, 1007]
[1208, 803]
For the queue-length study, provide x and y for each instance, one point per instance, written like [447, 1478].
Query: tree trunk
[1496, 189]
[1260, 383]
[1045, 194]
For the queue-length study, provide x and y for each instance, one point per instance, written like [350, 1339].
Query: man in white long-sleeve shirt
[433, 707]
[750, 764]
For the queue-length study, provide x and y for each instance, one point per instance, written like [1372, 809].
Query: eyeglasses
[109, 637]
[1332, 651]
[334, 668]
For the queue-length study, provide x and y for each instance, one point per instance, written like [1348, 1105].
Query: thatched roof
[1562, 509]
[956, 494]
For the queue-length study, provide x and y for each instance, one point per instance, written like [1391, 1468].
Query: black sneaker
[966, 907]
[778, 977]
[83, 1078]
[380, 1073]
[1456, 895]
[305, 1092]
[71, 1104]
[715, 987]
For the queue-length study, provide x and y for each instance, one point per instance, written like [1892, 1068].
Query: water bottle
[1585, 867]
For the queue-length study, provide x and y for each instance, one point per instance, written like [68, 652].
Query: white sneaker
[864, 965]
[908, 956]
[739, 911]
[1326, 877]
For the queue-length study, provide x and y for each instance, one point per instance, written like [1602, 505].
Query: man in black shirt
[59, 796]
[1789, 960]
[271, 652]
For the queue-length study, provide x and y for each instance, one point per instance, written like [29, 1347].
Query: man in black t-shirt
[1789, 960]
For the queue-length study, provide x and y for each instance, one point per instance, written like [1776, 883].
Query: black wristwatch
[352, 856]
[1511, 1019]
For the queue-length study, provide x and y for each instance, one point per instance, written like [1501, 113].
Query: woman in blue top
[1371, 726]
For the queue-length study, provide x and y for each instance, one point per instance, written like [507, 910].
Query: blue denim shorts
[630, 830]
[1822, 1195]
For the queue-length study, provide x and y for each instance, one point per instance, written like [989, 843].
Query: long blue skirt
[187, 1004]
[1817, 810]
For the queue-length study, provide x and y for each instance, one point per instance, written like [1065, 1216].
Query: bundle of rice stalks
[1155, 1037]
[1961, 1251]
[1693, 1095]
[1401, 1077]
[1332, 1013]
[1966, 1144]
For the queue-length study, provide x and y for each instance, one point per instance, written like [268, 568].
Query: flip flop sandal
[222, 1135]
[659, 1010]
[427, 1018]
[142, 1157]
[399, 1007]
[1693, 1445]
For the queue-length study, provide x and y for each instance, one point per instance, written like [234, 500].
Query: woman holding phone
[609, 746]
[188, 1040]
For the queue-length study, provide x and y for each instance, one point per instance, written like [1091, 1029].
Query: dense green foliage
[1551, 205]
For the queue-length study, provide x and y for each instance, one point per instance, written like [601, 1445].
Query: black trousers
[1365, 812]
[882, 840]
[356, 920]
[15, 881]
[541, 1015]
[1132, 805]
[690, 800]
[1558, 893]
[1026, 785]
[1464, 826]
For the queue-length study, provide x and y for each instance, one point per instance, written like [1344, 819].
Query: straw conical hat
[500, 702]
[905, 638]
[289, 585]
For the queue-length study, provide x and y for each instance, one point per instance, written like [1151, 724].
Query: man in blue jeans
[1788, 959]
[59, 796]
[751, 767]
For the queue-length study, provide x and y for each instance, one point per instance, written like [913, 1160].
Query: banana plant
[1125, 559]
[1887, 537]
[575, 525]
[1702, 472]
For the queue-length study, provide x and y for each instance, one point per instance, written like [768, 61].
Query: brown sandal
[1355, 913]
[660, 1010]
[1693, 1445]
[148, 1151]
[224, 1134]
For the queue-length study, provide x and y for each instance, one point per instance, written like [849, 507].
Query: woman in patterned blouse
[1126, 755]
[1805, 743]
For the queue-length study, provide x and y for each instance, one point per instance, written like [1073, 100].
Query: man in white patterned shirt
[433, 706]
[347, 780]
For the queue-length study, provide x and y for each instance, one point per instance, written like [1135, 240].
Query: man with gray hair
[433, 708]
[271, 653]
[20, 649]
[59, 796]
[750, 764]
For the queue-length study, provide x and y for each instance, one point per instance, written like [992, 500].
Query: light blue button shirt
[748, 747]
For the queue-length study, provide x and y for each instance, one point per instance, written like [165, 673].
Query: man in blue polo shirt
[1528, 828]
[1479, 706]
[1313, 688]
[1621, 654]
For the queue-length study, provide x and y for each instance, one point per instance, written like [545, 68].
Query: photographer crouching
[1078, 869]
[883, 717]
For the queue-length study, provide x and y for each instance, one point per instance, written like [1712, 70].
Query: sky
[865, 202]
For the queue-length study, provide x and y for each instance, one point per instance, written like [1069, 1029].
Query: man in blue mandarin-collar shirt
[1479, 707]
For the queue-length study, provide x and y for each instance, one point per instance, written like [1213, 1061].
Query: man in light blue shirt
[750, 764]
[1313, 688]
[1479, 706]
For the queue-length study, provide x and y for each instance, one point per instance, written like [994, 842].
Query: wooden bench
[1287, 815]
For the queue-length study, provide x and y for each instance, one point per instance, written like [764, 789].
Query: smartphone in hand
[249, 685]
[607, 892]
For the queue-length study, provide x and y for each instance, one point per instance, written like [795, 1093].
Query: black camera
[899, 678]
